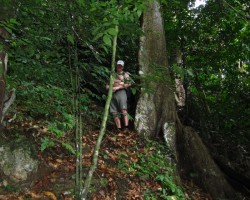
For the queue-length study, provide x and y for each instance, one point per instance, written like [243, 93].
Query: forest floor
[110, 181]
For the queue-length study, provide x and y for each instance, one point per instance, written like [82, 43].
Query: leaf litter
[109, 182]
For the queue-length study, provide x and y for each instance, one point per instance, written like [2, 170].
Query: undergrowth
[153, 164]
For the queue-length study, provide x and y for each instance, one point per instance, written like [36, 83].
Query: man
[180, 97]
[118, 106]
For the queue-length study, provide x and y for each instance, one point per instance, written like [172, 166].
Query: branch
[8, 102]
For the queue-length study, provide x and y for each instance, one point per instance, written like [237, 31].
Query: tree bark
[195, 161]
[155, 112]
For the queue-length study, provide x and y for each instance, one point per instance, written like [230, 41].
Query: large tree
[156, 113]
[155, 109]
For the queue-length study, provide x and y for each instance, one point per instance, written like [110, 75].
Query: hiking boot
[126, 130]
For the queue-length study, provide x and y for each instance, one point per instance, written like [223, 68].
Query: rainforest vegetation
[56, 58]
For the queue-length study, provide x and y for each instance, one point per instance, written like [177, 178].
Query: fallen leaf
[113, 139]
[134, 158]
[34, 195]
[102, 193]
[50, 195]
[53, 165]
[59, 160]
[112, 156]
[107, 169]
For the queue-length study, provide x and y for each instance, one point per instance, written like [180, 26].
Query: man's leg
[117, 120]
[125, 117]
[126, 121]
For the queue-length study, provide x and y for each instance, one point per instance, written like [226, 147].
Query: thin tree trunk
[78, 136]
[93, 166]
[6, 98]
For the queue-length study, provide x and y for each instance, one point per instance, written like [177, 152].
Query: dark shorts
[119, 101]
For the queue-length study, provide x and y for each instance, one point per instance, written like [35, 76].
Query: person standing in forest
[180, 94]
[118, 105]
[180, 97]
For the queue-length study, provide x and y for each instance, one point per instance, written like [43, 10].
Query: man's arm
[121, 84]
[127, 80]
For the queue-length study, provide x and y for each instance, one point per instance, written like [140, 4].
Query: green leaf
[190, 72]
[139, 12]
[104, 97]
[70, 38]
[112, 31]
[105, 49]
[8, 29]
[46, 38]
[107, 40]
[133, 90]
[13, 21]
[69, 148]
[80, 20]
[99, 35]
[81, 2]
[46, 143]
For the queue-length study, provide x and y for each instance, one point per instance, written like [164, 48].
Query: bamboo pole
[93, 166]
[78, 130]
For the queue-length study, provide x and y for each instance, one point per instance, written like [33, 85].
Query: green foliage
[59, 128]
[46, 143]
[9, 25]
[49, 100]
[69, 147]
[10, 188]
[103, 182]
[215, 54]
[48, 44]
[153, 164]
[156, 75]
[178, 70]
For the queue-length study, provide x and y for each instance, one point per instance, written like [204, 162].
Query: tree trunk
[195, 161]
[6, 98]
[155, 112]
